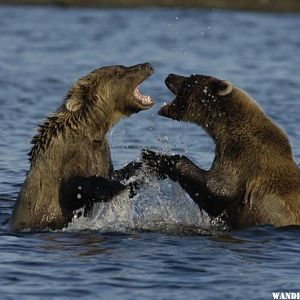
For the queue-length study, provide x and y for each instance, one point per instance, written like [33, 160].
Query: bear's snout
[143, 67]
[174, 82]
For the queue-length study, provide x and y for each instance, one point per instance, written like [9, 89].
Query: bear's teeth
[142, 98]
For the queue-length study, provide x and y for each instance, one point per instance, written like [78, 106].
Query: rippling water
[42, 51]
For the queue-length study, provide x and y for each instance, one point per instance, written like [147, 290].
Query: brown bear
[70, 159]
[254, 178]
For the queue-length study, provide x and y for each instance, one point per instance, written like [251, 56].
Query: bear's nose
[171, 79]
[148, 67]
[171, 76]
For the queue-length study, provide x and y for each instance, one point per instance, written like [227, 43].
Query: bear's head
[200, 99]
[95, 103]
[112, 92]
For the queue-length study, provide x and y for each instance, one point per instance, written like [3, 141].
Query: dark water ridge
[253, 5]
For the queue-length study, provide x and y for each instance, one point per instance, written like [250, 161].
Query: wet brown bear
[71, 163]
[253, 179]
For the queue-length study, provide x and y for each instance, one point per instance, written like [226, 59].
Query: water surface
[44, 50]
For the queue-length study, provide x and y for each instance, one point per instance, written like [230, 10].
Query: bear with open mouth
[254, 178]
[71, 165]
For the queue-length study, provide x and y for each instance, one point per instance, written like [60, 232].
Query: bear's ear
[224, 88]
[74, 103]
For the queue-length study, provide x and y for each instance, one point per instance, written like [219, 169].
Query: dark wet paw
[155, 161]
[163, 164]
[151, 158]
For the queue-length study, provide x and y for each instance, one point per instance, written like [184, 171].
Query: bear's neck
[93, 124]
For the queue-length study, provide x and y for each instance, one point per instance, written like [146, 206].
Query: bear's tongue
[146, 100]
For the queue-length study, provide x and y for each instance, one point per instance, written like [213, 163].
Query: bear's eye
[119, 74]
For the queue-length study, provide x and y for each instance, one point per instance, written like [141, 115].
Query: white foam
[161, 205]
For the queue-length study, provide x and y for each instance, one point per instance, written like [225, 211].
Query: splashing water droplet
[160, 206]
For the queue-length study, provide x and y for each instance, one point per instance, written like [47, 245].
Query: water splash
[160, 206]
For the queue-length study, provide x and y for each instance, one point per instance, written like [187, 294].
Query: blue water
[44, 50]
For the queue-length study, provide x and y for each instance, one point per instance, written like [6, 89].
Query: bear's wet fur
[70, 159]
[254, 178]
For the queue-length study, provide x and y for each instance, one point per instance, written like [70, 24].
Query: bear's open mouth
[144, 100]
